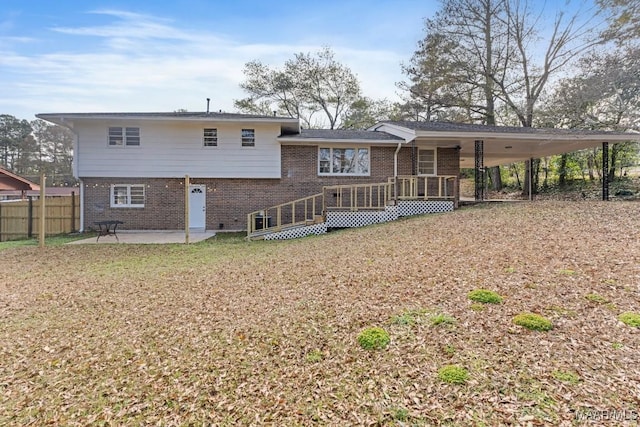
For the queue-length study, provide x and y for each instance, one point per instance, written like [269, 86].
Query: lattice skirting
[361, 218]
[417, 207]
[295, 233]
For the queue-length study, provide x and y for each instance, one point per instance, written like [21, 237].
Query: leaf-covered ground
[229, 332]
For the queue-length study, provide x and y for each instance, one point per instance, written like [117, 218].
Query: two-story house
[133, 166]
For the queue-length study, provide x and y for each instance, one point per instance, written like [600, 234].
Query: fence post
[0, 222]
[186, 209]
[43, 184]
[30, 217]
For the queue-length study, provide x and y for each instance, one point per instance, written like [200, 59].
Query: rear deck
[355, 205]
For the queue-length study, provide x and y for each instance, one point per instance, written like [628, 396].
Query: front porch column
[605, 171]
[479, 170]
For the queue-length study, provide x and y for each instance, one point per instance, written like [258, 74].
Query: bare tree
[604, 94]
[315, 88]
[624, 18]
[493, 51]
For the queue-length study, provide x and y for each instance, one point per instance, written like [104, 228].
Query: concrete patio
[147, 237]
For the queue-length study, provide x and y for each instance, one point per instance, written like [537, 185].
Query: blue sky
[139, 55]
[82, 56]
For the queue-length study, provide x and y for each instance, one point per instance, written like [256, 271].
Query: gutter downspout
[76, 154]
[81, 206]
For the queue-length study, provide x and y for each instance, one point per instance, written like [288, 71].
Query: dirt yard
[228, 332]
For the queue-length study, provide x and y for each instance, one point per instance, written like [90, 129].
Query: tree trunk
[496, 178]
[562, 173]
[535, 171]
[515, 171]
[612, 162]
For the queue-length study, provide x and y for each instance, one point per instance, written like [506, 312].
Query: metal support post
[605, 171]
[479, 170]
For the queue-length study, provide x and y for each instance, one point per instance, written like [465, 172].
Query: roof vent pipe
[208, 99]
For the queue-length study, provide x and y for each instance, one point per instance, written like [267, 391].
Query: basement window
[127, 196]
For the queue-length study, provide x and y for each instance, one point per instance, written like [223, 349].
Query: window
[343, 161]
[427, 162]
[127, 196]
[248, 137]
[210, 137]
[124, 136]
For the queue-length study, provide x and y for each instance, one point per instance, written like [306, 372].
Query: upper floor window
[248, 137]
[127, 196]
[343, 161]
[210, 137]
[124, 136]
[426, 162]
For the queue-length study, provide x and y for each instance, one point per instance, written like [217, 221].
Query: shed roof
[11, 181]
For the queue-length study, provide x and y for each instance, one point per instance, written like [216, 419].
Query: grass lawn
[230, 332]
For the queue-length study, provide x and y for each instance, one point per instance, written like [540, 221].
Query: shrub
[631, 319]
[485, 296]
[453, 374]
[533, 321]
[374, 339]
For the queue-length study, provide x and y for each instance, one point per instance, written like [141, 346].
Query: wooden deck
[370, 197]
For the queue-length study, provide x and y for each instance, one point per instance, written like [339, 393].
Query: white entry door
[197, 206]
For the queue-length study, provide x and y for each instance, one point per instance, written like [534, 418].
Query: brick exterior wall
[230, 200]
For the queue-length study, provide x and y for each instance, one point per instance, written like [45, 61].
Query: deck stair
[354, 205]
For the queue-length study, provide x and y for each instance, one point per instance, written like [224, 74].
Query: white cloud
[144, 63]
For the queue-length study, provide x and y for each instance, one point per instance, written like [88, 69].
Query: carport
[484, 146]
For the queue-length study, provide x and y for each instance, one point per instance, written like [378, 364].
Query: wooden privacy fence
[21, 219]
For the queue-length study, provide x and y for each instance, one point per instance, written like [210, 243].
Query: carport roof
[502, 144]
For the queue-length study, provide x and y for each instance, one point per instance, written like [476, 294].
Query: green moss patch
[533, 321]
[595, 298]
[484, 296]
[374, 339]
[442, 319]
[630, 319]
[566, 377]
[453, 374]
